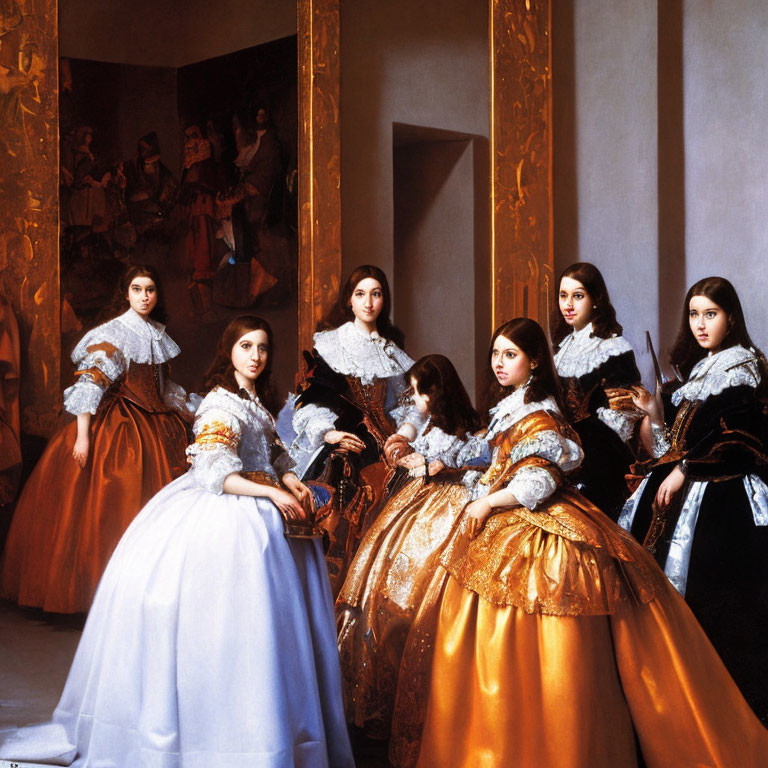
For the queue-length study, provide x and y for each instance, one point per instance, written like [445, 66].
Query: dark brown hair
[120, 303]
[529, 336]
[603, 317]
[686, 351]
[449, 405]
[341, 311]
[221, 372]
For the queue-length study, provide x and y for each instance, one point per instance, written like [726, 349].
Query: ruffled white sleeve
[97, 364]
[213, 455]
[310, 423]
[436, 445]
[621, 422]
[533, 485]
[176, 397]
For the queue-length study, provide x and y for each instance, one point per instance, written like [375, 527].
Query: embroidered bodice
[106, 353]
[234, 433]
[532, 448]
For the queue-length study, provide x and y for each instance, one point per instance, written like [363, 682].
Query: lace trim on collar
[351, 352]
[513, 408]
[732, 367]
[139, 340]
[580, 352]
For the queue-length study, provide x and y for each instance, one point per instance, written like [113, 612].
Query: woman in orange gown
[550, 638]
[95, 475]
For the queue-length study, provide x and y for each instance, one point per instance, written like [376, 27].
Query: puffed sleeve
[97, 364]
[213, 455]
[533, 481]
[310, 423]
[437, 445]
[176, 397]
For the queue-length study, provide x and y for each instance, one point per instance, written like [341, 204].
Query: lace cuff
[532, 485]
[83, 397]
[213, 455]
[311, 422]
[176, 397]
[621, 422]
[660, 439]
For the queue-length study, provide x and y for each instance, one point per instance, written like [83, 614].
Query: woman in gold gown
[397, 557]
[549, 637]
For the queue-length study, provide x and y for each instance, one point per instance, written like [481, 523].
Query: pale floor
[36, 651]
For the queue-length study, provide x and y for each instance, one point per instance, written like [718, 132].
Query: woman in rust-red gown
[127, 443]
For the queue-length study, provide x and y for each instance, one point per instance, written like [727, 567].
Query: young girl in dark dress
[702, 508]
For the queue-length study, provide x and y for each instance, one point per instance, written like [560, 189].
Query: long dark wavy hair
[449, 405]
[603, 315]
[529, 336]
[686, 351]
[119, 303]
[221, 372]
[341, 311]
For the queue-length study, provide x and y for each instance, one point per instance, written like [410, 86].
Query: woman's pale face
[142, 295]
[511, 366]
[575, 303]
[249, 357]
[367, 300]
[420, 401]
[708, 322]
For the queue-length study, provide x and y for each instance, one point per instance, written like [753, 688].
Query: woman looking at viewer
[211, 637]
[702, 508]
[547, 618]
[346, 410]
[127, 443]
[596, 365]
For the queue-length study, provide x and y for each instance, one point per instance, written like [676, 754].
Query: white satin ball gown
[211, 639]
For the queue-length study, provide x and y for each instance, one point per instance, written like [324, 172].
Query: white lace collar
[513, 408]
[352, 352]
[580, 353]
[139, 340]
[732, 367]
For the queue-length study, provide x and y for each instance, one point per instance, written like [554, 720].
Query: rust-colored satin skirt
[68, 520]
[558, 665]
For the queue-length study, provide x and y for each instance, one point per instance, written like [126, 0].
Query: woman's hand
[80, 450]
[478, 511]
[345, 441]
[412, 461]
[435, 467]
[287, 504]
[302, 494]
[395, 448]
[648, 403]
[669, 488]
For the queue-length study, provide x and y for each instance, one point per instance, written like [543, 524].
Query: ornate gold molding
[522, 259]
[29, 201]
[319, 162]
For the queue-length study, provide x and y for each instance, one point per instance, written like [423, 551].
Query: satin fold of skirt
[509, 687]
[384, 588]
[68, 520]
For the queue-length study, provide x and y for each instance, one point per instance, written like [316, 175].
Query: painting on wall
[200, 181]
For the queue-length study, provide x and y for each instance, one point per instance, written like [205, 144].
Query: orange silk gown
[385, 584]
[68, 520]
[553, 640]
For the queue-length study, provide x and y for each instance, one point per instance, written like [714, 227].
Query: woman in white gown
[211, 640]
